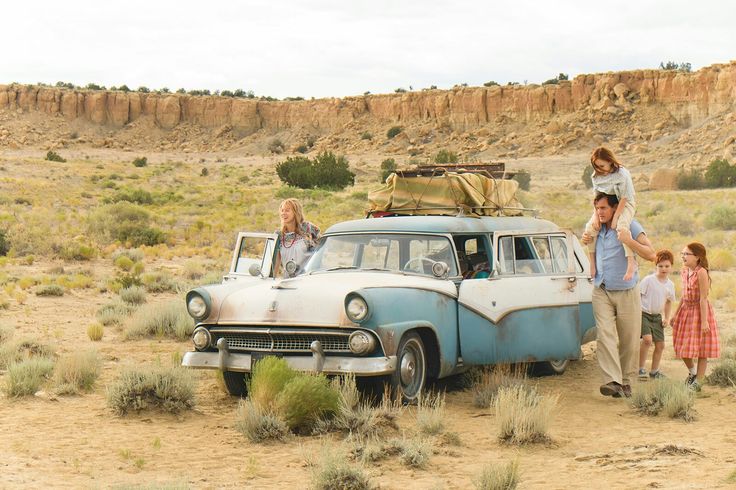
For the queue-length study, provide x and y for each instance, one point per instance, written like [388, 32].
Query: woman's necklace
[293, 240]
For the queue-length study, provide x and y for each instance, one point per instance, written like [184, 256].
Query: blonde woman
[297, 238]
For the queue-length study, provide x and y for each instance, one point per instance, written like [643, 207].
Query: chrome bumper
[228, 361]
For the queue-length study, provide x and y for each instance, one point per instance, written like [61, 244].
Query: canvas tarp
[448, 194]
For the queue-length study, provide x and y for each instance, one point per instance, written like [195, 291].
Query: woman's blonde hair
[298, 210]
[603, 153]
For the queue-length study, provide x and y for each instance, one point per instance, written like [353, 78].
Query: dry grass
[524, 415]
[76, 372]
[17, 351]
[95, 331]
[668, 396]
[169, 319]
[486, 382]
[723, 373]
[133, 295]
[259, 425]
[152, 387]
[6, 333]
[335, 472]
[114, 313]
[26, 377]
[498, 477]
[430, 414]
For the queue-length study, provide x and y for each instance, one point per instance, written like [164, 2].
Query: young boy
[657, 296]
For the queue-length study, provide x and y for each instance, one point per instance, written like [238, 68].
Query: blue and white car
[407, 298]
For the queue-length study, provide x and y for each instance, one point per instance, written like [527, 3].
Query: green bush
[137, 196]
[490, 84]
[393, 132]
[125, 222]
[26, 377]
[52, 156]
[133, 295]
[388, 166]
[588, 176]
[304, 400]
[524, 179]
[446, 156]
[720, 174]
[77, 251]
[276, 146]
[721, 218]
[558, 78]
[50, 290]
[142, 388]
[325, 171]
[302, 149]
[690, 180]
[140, 162]
[269, 377]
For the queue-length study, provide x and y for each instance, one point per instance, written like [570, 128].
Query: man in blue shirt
[616, 302]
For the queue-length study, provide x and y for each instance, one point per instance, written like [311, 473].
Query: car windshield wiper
[338, 268]
[376, 269]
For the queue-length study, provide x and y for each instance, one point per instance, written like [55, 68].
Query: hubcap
[408, 367]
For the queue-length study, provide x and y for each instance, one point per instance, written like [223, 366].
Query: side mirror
[254, 269]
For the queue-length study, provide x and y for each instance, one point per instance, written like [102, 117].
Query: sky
[327, 48]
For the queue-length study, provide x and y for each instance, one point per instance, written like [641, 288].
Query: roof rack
[494, 170]
[459, 211]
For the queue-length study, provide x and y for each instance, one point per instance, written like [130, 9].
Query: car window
[537, 254]
[559, 253]
[381, 253]
[506, 255]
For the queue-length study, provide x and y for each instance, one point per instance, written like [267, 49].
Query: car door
[528, 309]
[253, 257]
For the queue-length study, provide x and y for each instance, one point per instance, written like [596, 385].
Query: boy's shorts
[651, 324]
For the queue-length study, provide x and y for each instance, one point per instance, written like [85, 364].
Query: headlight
[361, 342]
[356, 309]
[201, 338]
[198, 304]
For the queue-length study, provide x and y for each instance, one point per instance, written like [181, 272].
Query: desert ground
[61, 441]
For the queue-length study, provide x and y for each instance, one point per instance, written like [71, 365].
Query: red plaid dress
[689, 342]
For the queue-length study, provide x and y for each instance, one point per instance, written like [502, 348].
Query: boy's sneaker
[656, 375]
[694, 386]
[642, 373]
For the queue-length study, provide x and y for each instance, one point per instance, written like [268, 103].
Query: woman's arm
[703, 286]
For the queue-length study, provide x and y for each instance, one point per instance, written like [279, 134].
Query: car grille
[275, 341]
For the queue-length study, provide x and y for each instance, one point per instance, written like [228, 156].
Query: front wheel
[235, 383]
[410, 376]
[550, 368]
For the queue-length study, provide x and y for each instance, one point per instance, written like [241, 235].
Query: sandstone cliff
[688, 97]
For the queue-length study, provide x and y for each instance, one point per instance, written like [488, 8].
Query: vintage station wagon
[407, 298]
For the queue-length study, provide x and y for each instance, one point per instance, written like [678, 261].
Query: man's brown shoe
[627, 390]
[613, 389]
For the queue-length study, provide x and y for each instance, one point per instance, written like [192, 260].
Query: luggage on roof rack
[445, 192]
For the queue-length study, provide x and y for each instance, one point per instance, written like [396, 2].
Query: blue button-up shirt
[610, 259]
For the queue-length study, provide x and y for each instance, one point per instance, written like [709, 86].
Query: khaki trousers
[618, 321]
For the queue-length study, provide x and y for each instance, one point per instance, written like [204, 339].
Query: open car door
[253, 257]
[527, 311]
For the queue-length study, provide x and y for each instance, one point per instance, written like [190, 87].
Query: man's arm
[642, 246]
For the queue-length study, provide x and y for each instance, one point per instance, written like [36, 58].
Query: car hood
[313, 300]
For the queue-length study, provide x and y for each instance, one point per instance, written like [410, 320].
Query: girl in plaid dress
[694, 328]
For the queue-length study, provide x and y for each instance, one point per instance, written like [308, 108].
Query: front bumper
[229, 361]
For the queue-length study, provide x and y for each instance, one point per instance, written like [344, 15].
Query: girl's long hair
[698, 249]
[603, 153]
[298, 210]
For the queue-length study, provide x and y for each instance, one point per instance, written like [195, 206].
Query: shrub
[95, 331]
[366, 135]
[523, 414]
[133, 295]
[302, 149]
[134, 254]
[490, 84]
[415, 453]
[487, 382]
[305, 399]
[193, 270]
[13, 352]
[141, 388]
[27, 376]
[721, 218]
[335, 472]
[446, 156]
[524, 179]
[388, 166]
[159, 282]
[673, 65]
[588, 176]
[4, 244]
[114, 313]
[169, 319]
[690, 180]
[393, 131]
[723, 373]
[125, 222]
[498, 476]
[558, 78]
[140, 162]
[720, 174]
[137, 196]
[123, 263]
[76, 372]
[672, 397]
[76, 250]
[52, 156]
[50, 290]
[325, 171]
[276, 146]
[6, 333]
[257, 424]
[269, 377]
[431, 414]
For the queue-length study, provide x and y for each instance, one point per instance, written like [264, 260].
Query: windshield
[390, 252]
